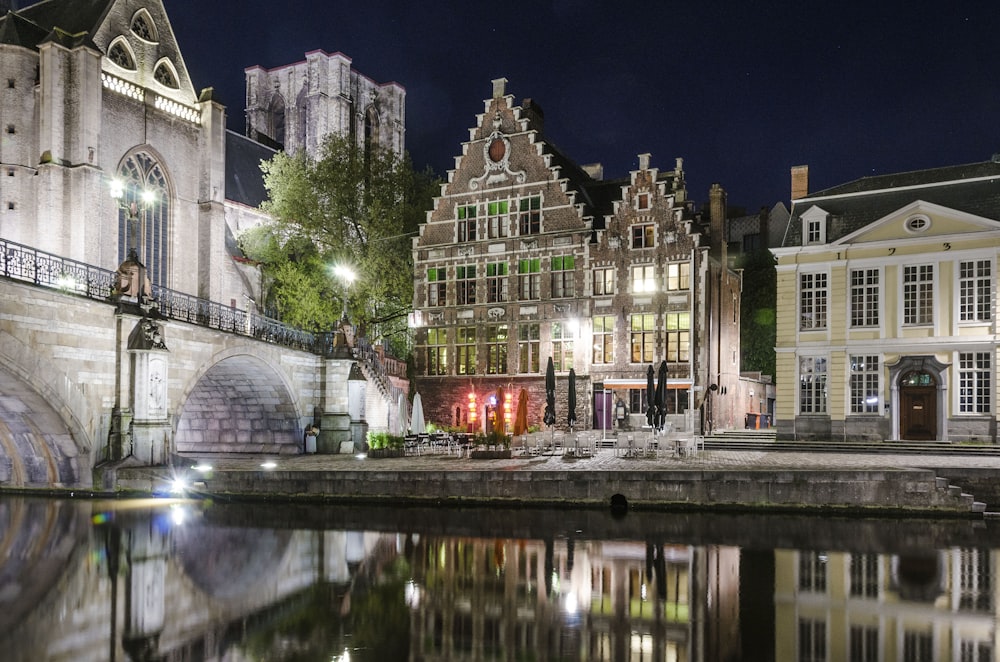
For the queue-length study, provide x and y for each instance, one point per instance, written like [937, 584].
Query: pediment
[920, 219]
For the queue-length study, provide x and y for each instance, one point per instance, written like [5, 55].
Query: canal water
[177, 580]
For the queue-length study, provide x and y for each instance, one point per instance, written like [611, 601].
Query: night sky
[741, 90]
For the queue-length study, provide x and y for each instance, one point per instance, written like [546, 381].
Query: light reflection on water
[191, 580]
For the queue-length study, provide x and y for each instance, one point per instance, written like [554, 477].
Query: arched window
[120, 55]
[140, 173]
[917, 378]
[164, 75]
[276, 119]
[371, 133]
[142, 26]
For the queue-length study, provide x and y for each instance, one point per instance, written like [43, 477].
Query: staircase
[765, 440]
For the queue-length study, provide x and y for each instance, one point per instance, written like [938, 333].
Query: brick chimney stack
[800, 181]
[499, 87]
[717, 221]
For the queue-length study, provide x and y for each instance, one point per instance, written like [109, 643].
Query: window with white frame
[863, 643]
[465, 350]
[678, 327]
[975, 583]
[643, 235]
[643, 278]
[918, 646]
[437, 351]
[812, 571]
[465, 284]
[496, 282]
[497, 218]
[466, 223]
[563, 276]
[812, 640]
[970, 650]
[530, 215]
[975, 278]
[974, 383]
[812, 384]
[812, 301]
[864, 383]
[562, 346]
[437, 288]
[604, 339]
[864, 575]
[864, 297]
[604, 281]
[496, 349]
[530, 278]
[528, 348]
[678, 276]
[642, 337]
[918, 294]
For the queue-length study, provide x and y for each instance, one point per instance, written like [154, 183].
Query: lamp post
[346, 276]
[132, 272]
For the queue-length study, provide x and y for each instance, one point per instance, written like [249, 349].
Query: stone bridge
[90, 383]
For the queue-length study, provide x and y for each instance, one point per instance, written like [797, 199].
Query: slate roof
[70, 22]
[244, 180]
[972, 188]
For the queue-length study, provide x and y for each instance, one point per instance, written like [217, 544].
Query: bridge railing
[27, 264]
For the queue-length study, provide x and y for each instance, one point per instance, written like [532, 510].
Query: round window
[917, 224]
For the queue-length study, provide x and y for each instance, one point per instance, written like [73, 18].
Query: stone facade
[527, 255]
[295, 106]
[887, 308]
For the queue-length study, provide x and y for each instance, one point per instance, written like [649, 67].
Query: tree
[758, 318]
[351, 206]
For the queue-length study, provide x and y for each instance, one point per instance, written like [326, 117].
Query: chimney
[800, 181]
[499, 87]
[594, 170]
[644, 161]
[717, 220]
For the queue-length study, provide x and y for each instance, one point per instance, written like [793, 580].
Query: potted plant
[492, 446]
[383, 444]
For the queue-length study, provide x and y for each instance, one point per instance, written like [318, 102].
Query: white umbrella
[417, 425]
[401, 422]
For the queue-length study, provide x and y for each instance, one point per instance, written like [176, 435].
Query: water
[178, 581]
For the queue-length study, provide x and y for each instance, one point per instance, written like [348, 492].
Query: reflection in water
[158, 580]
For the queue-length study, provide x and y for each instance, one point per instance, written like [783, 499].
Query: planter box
[491, 455]
[385, 452]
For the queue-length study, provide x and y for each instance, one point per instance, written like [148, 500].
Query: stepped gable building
[294, 107]
[527, 255]
[887, 307]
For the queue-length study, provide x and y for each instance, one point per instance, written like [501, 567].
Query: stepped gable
[972, 188]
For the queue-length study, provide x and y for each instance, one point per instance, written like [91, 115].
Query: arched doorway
[918, 406]
[919, 398]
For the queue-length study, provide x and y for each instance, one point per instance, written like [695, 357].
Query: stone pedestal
[150, 427]
[334, 429]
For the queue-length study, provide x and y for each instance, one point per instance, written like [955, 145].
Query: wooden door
[918, 415]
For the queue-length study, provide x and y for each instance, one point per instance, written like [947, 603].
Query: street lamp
[132, 279]
[346, 276]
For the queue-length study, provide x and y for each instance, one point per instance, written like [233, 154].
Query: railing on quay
[29, 265]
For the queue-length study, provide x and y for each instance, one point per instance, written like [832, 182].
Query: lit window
[643, 278]
[496, 349]
[604, 281]
[437, 351]
[642, 337]
[604, 339]
[465, 349]
[643, 236]
[562, 346]
[679, 276]
[864, 383]
[528, 349]
[678, 327]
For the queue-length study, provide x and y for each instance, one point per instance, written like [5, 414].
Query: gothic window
[371, 134]
[164, 75]
[276, 119]
[120, 55]
[145, 185]
[142, 27]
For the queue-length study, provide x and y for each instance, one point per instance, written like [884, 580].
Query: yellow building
[886, 320]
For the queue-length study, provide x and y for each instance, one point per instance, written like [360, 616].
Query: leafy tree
[353, 207]
[758, 308]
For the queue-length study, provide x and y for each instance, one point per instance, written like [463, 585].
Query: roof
[70, 22]
[972, 188]
[244, 179]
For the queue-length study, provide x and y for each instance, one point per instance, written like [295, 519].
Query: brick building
[527, 255]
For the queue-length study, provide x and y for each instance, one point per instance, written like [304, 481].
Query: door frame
[932, 366]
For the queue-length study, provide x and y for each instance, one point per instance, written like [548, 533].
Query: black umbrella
[650, 397]
[571, 397]
[661, 397]
[550, 394]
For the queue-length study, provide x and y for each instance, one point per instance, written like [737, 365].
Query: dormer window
[142, 27]
[120, 55]
[814, 222]
[164, 75]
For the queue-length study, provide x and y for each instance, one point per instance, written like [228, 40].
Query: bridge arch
[239, 403]
[43, 441]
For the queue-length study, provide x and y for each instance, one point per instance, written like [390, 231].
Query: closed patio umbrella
[661, 397]
[417, 425]
[650, 397]
[499, 422]
[550, 394]
[399, 427]
[571, 398]
[521, 414]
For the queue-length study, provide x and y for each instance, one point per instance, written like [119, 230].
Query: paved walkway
[603, 459]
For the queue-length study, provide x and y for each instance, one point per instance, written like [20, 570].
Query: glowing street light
[346, 276]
